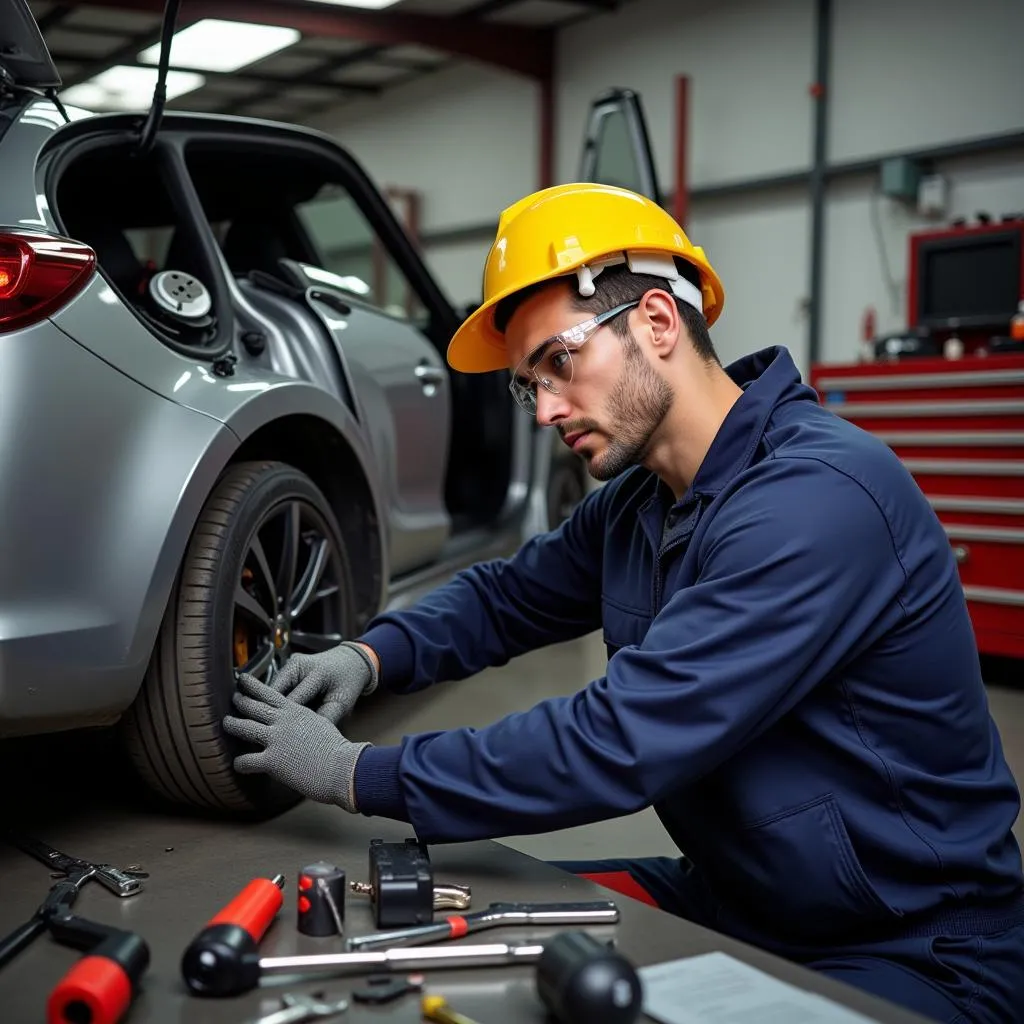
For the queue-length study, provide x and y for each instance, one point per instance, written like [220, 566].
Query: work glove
[301, 749]
[337, 678]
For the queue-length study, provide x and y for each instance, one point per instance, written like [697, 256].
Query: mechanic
[792, 682]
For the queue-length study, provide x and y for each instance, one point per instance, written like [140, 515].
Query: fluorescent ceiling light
[215, 45]
[373, 5]
[128, 88]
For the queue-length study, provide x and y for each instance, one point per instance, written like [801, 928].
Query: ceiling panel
[67, 41]
[537, 12]
[288, 62]
[127, 22]
[416, 54]
[305, 95]
[369, 72]
[273, 110]
[328, 45]
[86, 35]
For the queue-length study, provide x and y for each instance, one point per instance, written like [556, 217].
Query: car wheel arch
[321, 449]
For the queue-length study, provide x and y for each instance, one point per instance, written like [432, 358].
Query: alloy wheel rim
[287, 597]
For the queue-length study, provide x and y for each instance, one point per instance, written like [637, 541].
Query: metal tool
[72, 873]
[436, 1008]
[446, 897]
[380, 988]
[402, 961]
[496, 915]
[100, 987]
[298, 1008]
[120, 883]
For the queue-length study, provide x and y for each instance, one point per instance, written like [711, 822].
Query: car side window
[348, 247]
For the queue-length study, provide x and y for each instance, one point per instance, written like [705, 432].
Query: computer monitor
[970, 277]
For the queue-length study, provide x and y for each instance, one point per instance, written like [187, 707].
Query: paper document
[715, 988]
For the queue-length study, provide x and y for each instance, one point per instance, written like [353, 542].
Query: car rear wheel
[265, 575]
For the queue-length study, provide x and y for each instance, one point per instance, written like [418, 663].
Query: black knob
[583, 981]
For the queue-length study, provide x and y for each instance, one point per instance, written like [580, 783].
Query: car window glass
[348, 247]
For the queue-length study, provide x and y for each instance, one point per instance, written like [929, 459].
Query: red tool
[224, 957]
[101, 986]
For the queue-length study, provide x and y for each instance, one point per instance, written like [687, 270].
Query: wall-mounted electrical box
[901, 178]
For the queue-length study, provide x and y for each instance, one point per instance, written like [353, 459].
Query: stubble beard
[637, 406]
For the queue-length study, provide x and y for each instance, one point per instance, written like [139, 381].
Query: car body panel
[95, 520]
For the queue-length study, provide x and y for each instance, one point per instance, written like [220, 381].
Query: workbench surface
[197, 866]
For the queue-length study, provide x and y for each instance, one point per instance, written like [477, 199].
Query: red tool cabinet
[958, 426]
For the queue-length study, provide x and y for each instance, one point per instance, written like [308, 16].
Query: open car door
[616, 146]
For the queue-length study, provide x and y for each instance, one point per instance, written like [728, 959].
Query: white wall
[466, 138]
[905, 74]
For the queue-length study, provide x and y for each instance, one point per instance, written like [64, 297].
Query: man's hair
[614, 286]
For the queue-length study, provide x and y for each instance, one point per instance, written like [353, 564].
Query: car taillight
[38, 274]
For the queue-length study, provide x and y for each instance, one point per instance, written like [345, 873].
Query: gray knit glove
[337, 678]
[302, 750]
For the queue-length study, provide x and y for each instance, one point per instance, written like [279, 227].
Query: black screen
[970, 278]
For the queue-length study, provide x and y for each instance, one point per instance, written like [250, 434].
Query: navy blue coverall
[793, 684]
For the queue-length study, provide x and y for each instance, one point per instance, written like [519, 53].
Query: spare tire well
[316, 449]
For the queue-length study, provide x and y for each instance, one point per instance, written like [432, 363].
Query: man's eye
[559, 359]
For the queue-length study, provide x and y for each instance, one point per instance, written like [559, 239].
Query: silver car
[227, 428]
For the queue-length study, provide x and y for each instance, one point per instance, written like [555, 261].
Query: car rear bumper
[101, 482]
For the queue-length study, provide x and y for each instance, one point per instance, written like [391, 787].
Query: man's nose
[551, 408]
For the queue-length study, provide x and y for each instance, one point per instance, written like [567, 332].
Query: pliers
[300, 1008]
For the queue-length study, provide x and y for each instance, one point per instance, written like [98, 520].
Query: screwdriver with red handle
[223, 958]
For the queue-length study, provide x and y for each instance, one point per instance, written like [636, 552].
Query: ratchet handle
[252, 909]
[453, 927]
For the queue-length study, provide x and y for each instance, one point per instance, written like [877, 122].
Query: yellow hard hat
[579, 228]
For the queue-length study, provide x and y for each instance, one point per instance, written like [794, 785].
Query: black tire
[172, 733]
[567, 487]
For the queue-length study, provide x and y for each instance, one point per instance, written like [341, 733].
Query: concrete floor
[562, 670]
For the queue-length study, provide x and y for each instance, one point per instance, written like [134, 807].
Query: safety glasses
[550, 363]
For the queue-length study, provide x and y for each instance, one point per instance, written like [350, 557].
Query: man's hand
[337, 678]
[301, 749]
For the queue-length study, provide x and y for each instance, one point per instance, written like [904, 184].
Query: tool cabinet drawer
[958, 428]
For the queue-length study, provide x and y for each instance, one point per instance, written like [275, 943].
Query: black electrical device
[402, 881]
[581, 980]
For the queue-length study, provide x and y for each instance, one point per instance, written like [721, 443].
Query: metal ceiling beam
[526, 51]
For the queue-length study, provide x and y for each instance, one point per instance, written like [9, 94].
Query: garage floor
[79, 772]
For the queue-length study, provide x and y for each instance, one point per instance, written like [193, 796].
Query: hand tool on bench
[220, 959]
[495, 916]
[298, 1008]
[436, 1008]
[245, 973]
[101, 985]
[75, 873]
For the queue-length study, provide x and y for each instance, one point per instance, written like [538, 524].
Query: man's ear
[660, 321]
